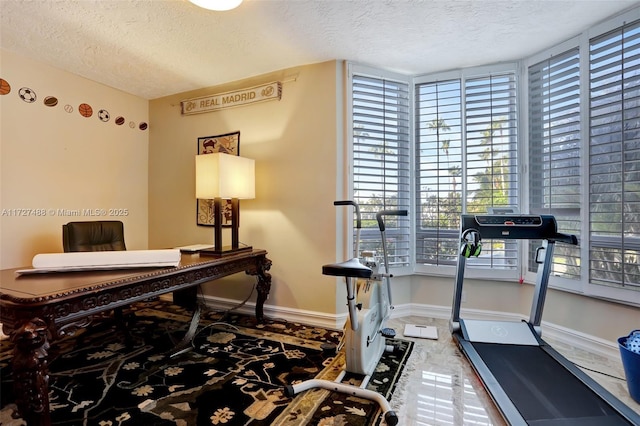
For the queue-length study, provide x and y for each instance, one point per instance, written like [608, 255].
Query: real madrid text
[99, 212]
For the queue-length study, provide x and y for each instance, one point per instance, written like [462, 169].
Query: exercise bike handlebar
[356, 210]
[380, 219]
[355, 206]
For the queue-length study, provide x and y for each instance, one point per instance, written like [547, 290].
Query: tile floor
[439, 387]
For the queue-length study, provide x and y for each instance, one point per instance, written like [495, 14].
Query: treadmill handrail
[565, 238]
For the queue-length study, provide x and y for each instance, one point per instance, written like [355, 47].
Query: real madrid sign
[266, 92]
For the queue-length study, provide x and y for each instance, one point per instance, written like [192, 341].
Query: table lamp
[230, 177]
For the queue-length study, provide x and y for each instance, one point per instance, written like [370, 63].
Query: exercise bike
[369, 305]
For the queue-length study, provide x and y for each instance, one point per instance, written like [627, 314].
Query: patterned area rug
[233, 374]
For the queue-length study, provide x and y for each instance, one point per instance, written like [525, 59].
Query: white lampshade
[217, 4]
[225, 176]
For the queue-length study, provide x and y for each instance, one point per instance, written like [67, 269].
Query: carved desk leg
[31, 372]
[263, 287]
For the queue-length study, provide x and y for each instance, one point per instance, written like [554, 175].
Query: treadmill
[529, 381]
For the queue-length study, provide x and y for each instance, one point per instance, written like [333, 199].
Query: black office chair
[101, 235]
[108, 235]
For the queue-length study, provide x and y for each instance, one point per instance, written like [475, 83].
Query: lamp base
[225, 251]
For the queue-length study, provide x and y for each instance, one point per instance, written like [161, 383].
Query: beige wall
[293, 142]
[52, 160]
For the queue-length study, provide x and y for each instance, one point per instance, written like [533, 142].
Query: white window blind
[380, 117]
[439, 183]
[466, 162]
[614, 158]
[554, 153]
[491, 163]
[491, 160]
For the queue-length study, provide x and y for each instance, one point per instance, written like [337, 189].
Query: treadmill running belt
[542, 389]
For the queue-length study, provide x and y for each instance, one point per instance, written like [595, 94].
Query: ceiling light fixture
[218, 5]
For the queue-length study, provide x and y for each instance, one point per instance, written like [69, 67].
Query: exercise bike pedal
[388, 332]
[327, 348]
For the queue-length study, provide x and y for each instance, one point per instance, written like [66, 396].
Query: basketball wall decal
[143, 126]
[120, 121]
[5, 87]
[27, 95]
[51, 101]
[85, 110]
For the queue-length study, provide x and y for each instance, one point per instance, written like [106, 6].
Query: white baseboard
[318, 319]
[551, 331]
[580, 340]
[565, 335]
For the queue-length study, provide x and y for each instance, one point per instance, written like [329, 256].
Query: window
[466, 162]
[451, 143]
[438, 171]
[554, 153]
[614, 158]
[380, 129]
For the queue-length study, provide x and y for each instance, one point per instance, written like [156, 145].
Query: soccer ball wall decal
[27, 95]
[103, 115]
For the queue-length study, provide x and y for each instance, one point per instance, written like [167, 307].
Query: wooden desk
[36, 309]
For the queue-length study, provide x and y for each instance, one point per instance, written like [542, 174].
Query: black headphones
[471, 245]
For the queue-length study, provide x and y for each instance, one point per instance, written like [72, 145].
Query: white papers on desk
[94, 260]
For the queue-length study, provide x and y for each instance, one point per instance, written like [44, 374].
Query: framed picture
[228, 143]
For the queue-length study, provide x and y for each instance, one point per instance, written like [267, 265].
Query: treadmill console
[500, 220]
[512, 226]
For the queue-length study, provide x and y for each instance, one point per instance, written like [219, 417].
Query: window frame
[556, 281]
[617, 294]
[559, 283]
[366, 71]
[580, 286]
[464, 75]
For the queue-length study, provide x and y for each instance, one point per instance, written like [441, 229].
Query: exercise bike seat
[351, 268]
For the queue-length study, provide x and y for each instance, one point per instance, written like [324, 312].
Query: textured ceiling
[155, 48]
